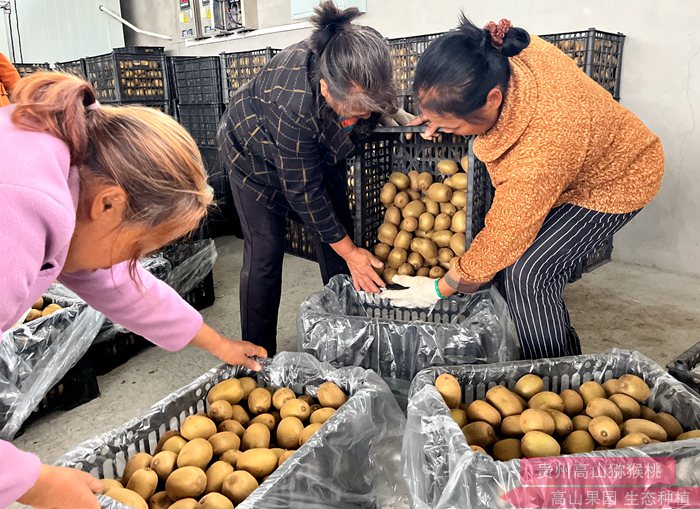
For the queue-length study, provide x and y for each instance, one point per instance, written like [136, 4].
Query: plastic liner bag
[443, 472]
[183, 266]
[345, 327]
[191, 262]
[36, 355]
[352, 462]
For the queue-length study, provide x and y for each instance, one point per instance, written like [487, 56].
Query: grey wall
[660, 83]
[60, 30]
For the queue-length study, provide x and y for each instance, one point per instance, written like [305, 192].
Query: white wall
[60, 30]
[660, 83]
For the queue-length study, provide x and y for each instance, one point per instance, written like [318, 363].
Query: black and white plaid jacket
[278, 137]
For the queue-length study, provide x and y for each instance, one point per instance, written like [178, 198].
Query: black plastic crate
[682, 367]
[298, 241]
[117, 350]
[74, 67]
[128, 76]
[405, 54]
[601, 256]
[408, 103]
[25, 69]
[387, 152]
[223, 218]
[598, 53]
[77, 387]
[239, 68]
[148, 50]
[197, 80]
[202, 121]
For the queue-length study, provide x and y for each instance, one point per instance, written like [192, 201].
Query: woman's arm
[155, 311]
[19, 471]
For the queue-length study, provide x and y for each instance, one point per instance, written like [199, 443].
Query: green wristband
[437, 289]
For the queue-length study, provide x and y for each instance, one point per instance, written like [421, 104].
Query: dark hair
[354, 60]
[458, 70]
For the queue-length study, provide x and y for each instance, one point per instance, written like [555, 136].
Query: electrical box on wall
[234, 15]
[206, 18]
[188, 18]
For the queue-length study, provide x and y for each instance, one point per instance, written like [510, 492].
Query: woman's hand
[237, 353]
[430, 131]
[63, 488]
[361, 264]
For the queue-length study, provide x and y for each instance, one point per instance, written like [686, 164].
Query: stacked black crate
[134, 75]
[198, 87]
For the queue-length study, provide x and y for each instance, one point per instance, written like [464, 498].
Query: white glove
[401, 117]
[420, 292]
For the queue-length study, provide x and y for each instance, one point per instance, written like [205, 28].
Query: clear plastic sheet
[36, 355]
[345, 327]
[183, 266]
[352, 462]
[442, 471]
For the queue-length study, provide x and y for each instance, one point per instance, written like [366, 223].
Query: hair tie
[498, 32]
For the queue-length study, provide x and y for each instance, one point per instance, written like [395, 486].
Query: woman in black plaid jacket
[284, 139]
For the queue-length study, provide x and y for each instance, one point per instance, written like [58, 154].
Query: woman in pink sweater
[86, 190]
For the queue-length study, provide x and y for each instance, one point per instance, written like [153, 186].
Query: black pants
[263, 253]
[534, 285]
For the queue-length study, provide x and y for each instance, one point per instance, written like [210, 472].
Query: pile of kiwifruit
[531, 422]
[216, 460]
[41, 308]
[424, 227]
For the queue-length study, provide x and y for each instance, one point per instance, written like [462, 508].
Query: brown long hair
[140, 149]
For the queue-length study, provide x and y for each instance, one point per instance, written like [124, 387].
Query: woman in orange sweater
[569, 164]
[8, 79]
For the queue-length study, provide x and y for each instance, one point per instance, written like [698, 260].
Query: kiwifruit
[458, 243]
[228, 390]
[164, 463]
[406, 269]
[459, 199]
[459, 222]
[425, 180]
[689, 435]
[634, 387]
[602, 406]
[127, 497]
[415, 260]
[581, 422]
[535, 419]
[388, 194]
[442, 223]
[510, 426]
[387, 233]
[448, 209]
[259, 401]
[223, 441]
[257, 462]
[413, 209]
[296, 408]
[447, 167]
[233, 426]
[505, 401]
[579, 441]
[546, 399]
[413, 178]
[459, 416]
[507, 449]
[436, 272]
[591, 390]
[330, 395]
[450, 390]
[537, 444]
[397, 257]
[186, 482]
[220, 411]
[628, 406]
[400, 180]
[249, 385]
[479, 433]
[256, 436]
[196, 453]
[633, 440]
[562, 423]
[401, 200]
[144, 482]
[460, 181]
[266, 419]
[670, 424]
[289, 431]
[136, 462]
[240, 414]
[308, 432]
[392, 215]
[573, 402]
[216, 474]
[604, 430]
[321, 415]
[214, 501]
[648, 428]
[198, 426]
[482, 411]
[409, 224]
[528, 385]
[442, 238]
[238, 485]
[159, 500]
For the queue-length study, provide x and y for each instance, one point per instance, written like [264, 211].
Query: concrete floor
[617, 306]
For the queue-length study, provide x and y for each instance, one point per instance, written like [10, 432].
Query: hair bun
[330, 20]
